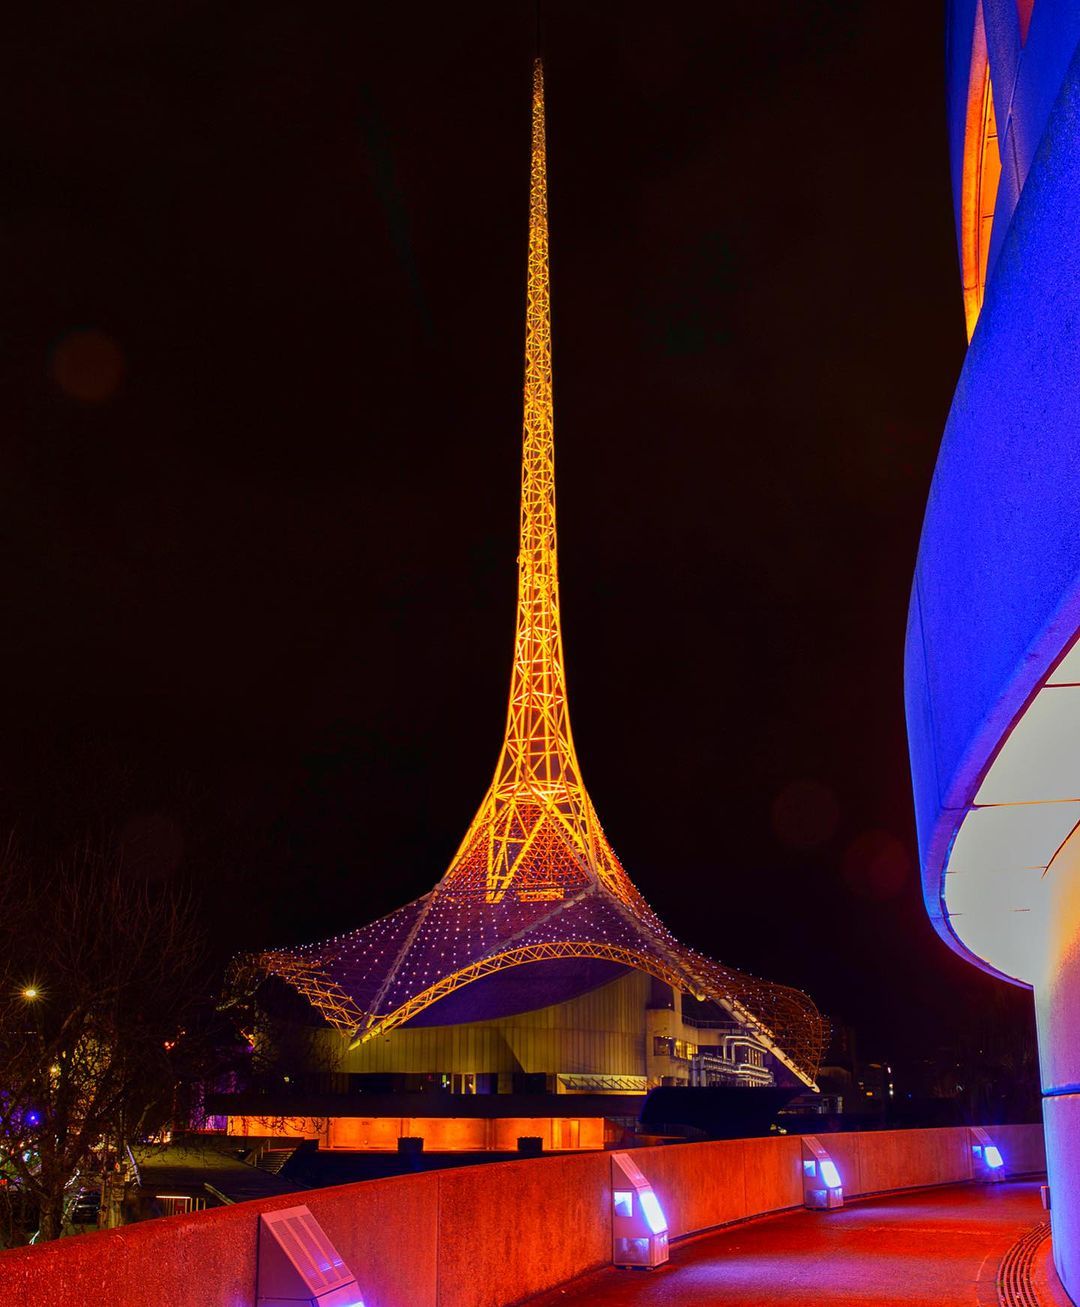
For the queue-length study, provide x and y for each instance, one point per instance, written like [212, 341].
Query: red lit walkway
[931, 1248]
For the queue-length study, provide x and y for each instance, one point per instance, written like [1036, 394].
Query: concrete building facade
[992, 664]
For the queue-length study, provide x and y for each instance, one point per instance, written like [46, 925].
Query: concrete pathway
[932, 1248]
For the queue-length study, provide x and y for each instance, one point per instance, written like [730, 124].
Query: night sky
[260, 372]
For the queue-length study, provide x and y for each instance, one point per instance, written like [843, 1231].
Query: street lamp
[31, 992]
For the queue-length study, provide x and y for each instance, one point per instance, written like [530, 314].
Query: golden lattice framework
[535, 879]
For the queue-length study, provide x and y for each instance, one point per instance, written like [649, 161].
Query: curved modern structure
[536, 910]
[993, 664]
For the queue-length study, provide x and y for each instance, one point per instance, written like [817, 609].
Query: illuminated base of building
[441, 1134]
[625, 1036]
[574, 1074]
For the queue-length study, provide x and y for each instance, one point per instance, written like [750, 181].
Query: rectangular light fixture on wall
[822, 1187]
[987, 1164]
[639, 1228]
[298, 1266]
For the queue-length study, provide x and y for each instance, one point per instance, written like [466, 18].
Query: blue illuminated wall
[997, 584]
[996, 597]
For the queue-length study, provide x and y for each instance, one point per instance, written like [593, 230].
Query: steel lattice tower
[535, 879]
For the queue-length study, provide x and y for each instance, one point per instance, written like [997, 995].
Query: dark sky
[260, 372]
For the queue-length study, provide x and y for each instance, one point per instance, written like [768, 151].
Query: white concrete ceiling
[1029, 801]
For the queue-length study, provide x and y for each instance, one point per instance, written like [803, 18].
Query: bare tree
[99, 971]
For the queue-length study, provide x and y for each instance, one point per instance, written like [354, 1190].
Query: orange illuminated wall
[366, 1132]
[278, 1127]
[450, 1134]
[982, 170]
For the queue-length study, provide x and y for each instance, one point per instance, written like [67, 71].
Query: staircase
[272, 1159]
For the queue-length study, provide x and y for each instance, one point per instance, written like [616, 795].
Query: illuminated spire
[535, 879]
[538, 780]
[538, 745]
[536, 829]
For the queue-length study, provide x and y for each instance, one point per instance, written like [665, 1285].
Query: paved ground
[933, 1248]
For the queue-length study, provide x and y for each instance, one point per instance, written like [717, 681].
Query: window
[663, 1046]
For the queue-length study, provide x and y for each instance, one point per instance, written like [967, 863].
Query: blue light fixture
[639, 1228]
[823, 1189]
[987, 1164]
[298, 1266]
[830, 1174]
[650, 1207]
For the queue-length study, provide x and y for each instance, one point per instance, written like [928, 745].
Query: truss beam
[535, 878]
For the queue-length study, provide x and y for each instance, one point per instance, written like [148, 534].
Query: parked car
[85, 1209]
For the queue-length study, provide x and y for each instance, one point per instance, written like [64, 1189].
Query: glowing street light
[31, 992]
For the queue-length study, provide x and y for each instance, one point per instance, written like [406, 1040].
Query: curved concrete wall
[1027, 73]
[479, 1236]
[995, 607]
[996, 597]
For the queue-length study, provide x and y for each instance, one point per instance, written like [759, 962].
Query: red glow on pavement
[933, 1248]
